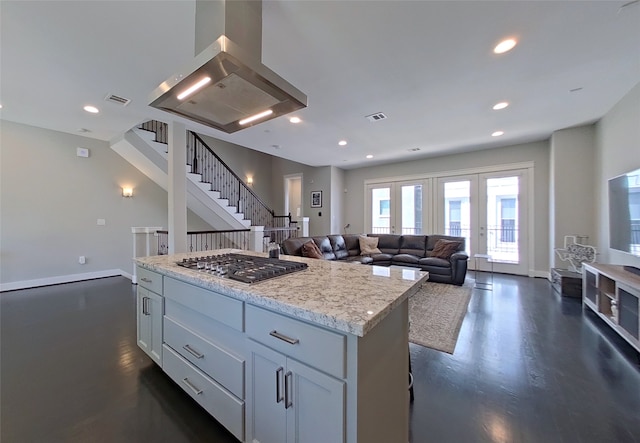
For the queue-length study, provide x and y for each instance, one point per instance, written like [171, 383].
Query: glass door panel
[502, 217]
[380, 209]
[489, 211]
[410, 209]
[455, 208]
[397, 208]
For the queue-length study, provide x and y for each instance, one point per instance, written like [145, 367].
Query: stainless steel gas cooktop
[240, 267]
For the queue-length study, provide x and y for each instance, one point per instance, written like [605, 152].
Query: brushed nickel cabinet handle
[144, 306]
[146, 280]
[279, 397]
[287, 390]
[193, 388]
[192, 351]
[276, 334]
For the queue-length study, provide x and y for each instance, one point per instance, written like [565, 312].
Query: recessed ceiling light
[504, 46]
[0, 106]
[295, 120]
[497, 134]
[342, 143]
[500, 105]
[369, 156]
[91, 109]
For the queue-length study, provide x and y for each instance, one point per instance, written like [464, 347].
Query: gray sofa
[403, 250]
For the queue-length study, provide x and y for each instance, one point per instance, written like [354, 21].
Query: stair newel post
[239, 193]
[194, 165]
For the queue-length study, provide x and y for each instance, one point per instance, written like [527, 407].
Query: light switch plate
[82, 152]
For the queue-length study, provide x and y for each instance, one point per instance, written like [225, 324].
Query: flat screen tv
[624, 213]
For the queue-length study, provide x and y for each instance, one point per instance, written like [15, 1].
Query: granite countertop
[348, 297]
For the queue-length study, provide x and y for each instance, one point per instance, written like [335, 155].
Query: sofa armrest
[458, 267]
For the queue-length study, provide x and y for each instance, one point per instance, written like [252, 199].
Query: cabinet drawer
[310, 344]
[150, 280]
[222, 405]
[223, 367]
[219, 307]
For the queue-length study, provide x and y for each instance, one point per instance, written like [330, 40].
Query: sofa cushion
[293, 245]
[368, 245]
[352, 241]
[311, 250]
[444, 248]
[388, 243]
[433, 239]
[381, 259]
[405, 259]
[413, 245]
[435, 265]
[325, 247]
[339, 246]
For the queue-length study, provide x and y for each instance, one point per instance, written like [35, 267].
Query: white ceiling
[427, 65]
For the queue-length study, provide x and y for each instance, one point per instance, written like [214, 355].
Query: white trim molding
[48, 281]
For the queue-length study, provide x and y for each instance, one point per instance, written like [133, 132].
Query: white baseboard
[25, 284]
[540, 274]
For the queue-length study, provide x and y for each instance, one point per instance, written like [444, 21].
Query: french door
[398, 207]
[490, 210]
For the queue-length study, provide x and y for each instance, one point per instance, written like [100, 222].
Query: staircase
[214, 191]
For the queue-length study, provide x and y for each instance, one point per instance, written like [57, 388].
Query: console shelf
[614, 295]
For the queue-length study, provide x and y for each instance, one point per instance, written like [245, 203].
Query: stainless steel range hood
[236, 90]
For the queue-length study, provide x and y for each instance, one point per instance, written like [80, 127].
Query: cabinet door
[156, 309]
[143, 320]
[315, 404]
[266, 415]
[150, 309]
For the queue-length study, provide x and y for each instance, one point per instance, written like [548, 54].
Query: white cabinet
[150, 309]
[204, 350]
[289, 401]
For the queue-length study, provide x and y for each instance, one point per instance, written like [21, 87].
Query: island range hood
[226, 86]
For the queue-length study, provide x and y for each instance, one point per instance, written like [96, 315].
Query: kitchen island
[319, 355]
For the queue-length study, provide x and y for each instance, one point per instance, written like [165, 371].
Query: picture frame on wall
[316, 199]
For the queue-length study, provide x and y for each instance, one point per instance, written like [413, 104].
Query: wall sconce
[127, 192]
[250, 181]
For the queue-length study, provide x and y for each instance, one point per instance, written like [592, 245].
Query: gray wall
[313, 179]
[537, 152]
[618, 152]
[51, 200]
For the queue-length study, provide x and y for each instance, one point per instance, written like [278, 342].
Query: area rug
[436, 313]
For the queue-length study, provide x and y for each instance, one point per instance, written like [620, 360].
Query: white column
[145, 244]
[305, 227]
[177, 188]
[256, 239]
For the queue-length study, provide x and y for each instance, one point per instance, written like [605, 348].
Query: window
[508, 220]
[455, 218]
[384, 207]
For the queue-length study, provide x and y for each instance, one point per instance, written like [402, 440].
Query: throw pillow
[311, 250]
[368, 245]
[444, 248]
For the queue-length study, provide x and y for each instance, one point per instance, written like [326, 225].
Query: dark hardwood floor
[530, 366]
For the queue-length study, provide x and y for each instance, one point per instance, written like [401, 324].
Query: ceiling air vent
[375, 117]
[117, 100]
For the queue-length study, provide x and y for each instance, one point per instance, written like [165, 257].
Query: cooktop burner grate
[240, 267]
